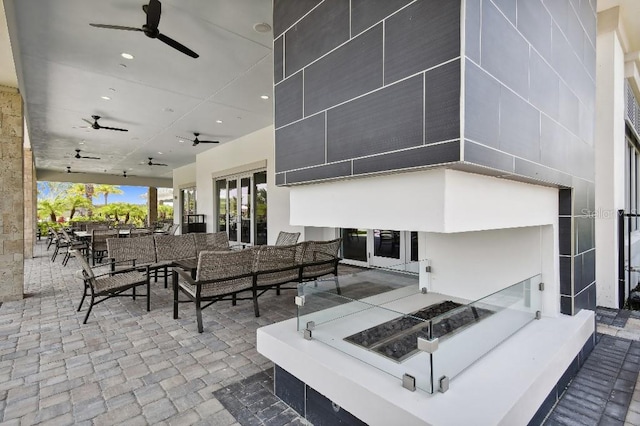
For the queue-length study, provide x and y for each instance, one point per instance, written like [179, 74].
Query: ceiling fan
[97, 126]
[69, 170]
[197, 141]
[125, 175]
[82, 156]
[151, 163]
[150, 29]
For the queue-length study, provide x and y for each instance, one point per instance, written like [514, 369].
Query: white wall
[241, 153]
[437, 200]
[609, 155]
[182, 177]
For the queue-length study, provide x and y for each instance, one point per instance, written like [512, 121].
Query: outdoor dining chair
[287, 238]
[102, 286]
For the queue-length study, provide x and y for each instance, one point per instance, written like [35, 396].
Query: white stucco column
[609, 154]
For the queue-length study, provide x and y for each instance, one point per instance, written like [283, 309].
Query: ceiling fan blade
[153, 11]
[209, 141]
[114, 128]
[176, 45]
[92, 158]
[88, 121]
[116, 27]
[159, 164]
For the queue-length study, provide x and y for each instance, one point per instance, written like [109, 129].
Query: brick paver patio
[125, 365]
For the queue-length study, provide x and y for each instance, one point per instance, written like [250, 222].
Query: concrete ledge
[506, 386]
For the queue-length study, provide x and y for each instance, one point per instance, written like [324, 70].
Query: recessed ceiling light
[262, 27]
[181, 141]
[106, 98]
[126, 55]
[160, 152]
[80, 143]
[219, 121]
[112, 89]
[264, 97]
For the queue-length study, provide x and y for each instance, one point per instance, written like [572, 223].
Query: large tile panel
[534, 21]
[554, 149]
[559, 10]
[508, 7]
[301, 144]
[545, 85]
[287, 12]
[484, 156]
[519, 126]
[482, 106]
[328, 171]
[421, 36]
[365, 13]
[288, 97]
[505, 53]
[350, 71]
[472, 29]
[385, 120]
[320, 31]
[442, 103]
[423, 156]
[278, 59]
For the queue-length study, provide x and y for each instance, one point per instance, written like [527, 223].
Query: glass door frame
[237, 182]
[183, 213]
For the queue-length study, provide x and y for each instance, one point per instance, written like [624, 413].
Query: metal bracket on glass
[300, 300]
[429, 346]
[409, 382]
[444, 384]
[307, 331]
[428, 268]
[538, 315]
[541, 286]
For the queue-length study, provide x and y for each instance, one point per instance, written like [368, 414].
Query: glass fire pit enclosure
[381, 317]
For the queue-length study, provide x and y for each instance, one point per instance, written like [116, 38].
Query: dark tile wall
[365, 86]
[529, 109]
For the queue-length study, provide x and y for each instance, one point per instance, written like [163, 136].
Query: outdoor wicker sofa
[227, 275]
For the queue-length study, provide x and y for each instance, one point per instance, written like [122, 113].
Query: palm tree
[105, 190]
[74, 202]
[165, 211]
[52, 207]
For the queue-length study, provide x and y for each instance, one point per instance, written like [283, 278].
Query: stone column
[11, 196]
[30, 203]
[152, 206]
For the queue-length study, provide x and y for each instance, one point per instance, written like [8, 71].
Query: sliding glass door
[241, 203]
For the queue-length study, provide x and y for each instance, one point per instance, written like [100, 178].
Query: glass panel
[221, 190]
[377, 316]
[370, 319]
[245, 210]
[470, 331]
[260, 194]
[386, 243]
[233, 210]
[414, 246]
[354, 244]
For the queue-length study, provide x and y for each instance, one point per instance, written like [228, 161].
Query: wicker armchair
[129, 252]
[287, 238]
[99, 243]
[321, 258]
[170, 248]
[218, 241]
[221, 275]
[101, 287]
[275, 266]
[66, 241]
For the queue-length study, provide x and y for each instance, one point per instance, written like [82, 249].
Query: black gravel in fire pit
[397, 339]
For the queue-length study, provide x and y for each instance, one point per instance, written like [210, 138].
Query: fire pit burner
[397, 339]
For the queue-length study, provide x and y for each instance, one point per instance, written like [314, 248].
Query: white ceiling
[65, 66]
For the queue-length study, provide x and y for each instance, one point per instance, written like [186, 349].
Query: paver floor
[126, 365]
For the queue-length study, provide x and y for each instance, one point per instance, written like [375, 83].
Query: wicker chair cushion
[115, 282]
[218, 265]
[275, 257]
[287, 238]
[218, 241]
[175, 247]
